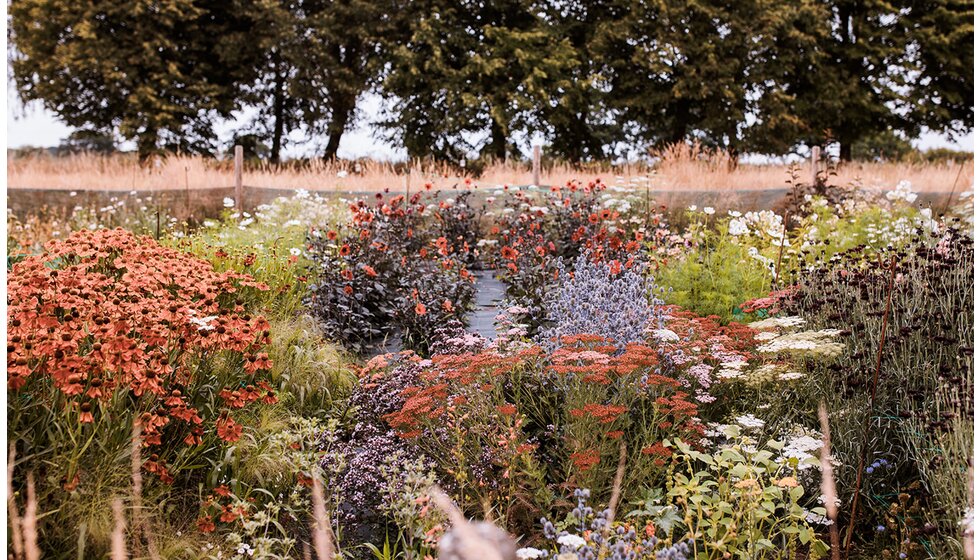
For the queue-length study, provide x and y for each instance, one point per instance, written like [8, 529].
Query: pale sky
[34, 126]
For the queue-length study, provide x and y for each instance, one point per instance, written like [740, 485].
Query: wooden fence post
[815, 162]
[239, 195]
[536, 165]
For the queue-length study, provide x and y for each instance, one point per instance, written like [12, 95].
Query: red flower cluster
[707, 331]
[605, 414]
[105, 312]
[446, 374]
[585, 460]
[770, 303]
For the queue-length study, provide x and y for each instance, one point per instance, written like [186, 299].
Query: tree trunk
[278, 106]
[498, 141]
[146, 145]
[341, 112]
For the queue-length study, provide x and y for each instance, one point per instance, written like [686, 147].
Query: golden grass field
[679, 169]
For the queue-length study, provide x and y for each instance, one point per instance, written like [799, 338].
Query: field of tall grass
[680, 168]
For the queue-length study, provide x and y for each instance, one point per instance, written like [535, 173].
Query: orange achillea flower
[507, 409]
[419, 309]
[585, 460]
[369, 270]
[658, 450]
[605, 414]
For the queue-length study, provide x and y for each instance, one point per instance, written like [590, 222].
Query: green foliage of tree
[320, 57]
[471, 76]
[590, 76]
[883, 146]
[89, 141]
[159, 72]
[890, 65]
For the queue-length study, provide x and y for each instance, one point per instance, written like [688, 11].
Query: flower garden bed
[302, 377]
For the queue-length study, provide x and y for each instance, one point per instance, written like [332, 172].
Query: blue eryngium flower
[595, 301]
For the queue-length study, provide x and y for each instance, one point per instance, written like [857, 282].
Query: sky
[35, 126]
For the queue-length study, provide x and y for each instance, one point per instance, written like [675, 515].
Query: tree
[320, 58]
[581, 124]
[885, 146]
[471, 76]
[159, 72]
[900, 65]
[87, 141]
[940, 35]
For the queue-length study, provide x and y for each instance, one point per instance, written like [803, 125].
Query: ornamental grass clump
[107, 329]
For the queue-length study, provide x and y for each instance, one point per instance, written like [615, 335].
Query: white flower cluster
[571, 541]
[664, 335]
[529, 553]
[761, 374]
[749, 421]
[732, 369]
[814, 344]
[903, 191]
[766, 261]
[782, 323]
[765, 225]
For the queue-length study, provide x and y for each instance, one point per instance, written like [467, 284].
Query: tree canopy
[478, 76]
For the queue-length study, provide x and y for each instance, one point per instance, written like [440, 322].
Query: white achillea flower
[528, 553]
[778, 323]
[816, 344]
[766, 336]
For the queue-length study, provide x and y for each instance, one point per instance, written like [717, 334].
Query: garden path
[489, 294]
